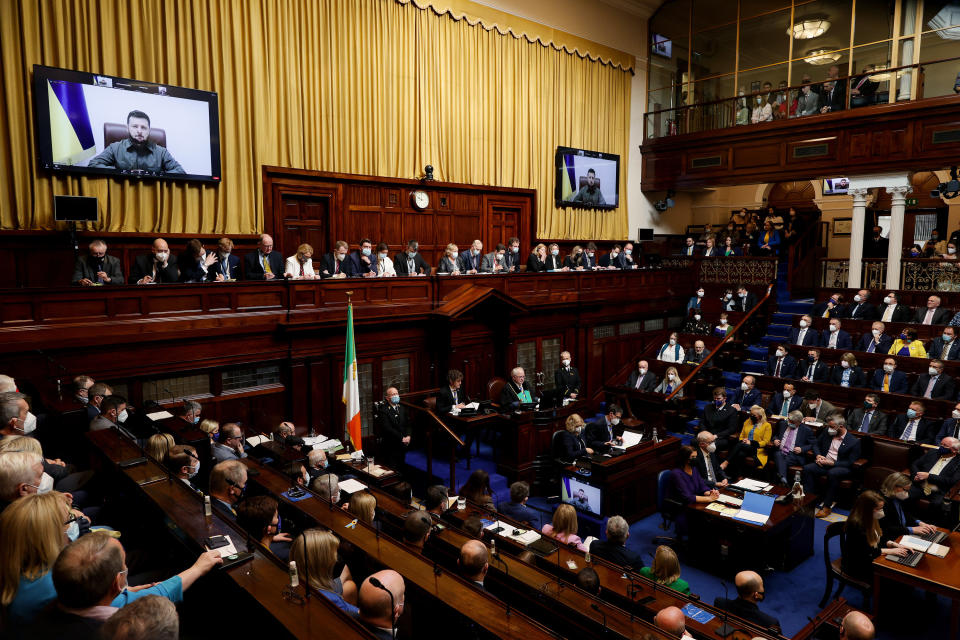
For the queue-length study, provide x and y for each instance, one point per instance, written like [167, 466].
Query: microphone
[596, 608]
[506, 570]
[306, 564]
[379, 585]
[725, 629]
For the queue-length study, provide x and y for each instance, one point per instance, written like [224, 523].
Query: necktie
[639, 381]
[872, 346]
[865, 425]
[832, 342]
[945, 351]
[788, 441]
[826, 313]
[928, 319]
[266, 266]
[779, 364]
[908, 432]
[802, 333]
[301, 269]
[930, 385]
[853, 314]
[887, 313]
[785, 409]
[810, 372]
[225, 267]
[709, 465]
[886, 382]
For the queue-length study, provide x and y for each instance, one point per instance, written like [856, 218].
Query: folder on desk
[755, 509]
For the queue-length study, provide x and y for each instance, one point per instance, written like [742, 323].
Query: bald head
[857, 626]
[473, 560]
[374, 602]
[671, 620]
[265, 244]
[749, 585]
[160, 245]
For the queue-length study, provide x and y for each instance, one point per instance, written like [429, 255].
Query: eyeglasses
[73, 518]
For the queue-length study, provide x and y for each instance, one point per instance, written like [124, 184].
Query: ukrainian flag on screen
[567, 178]
[71, 136]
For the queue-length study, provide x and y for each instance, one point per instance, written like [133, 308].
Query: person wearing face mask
[754, 437]
[590, 257]
[913, 426]
[300, 265]
[876, 245]
[686, 486]
[449, 263]
[183, 462]
[228, 265]
[230, 444]
[411, 263]
[908, 345]
[699, 352]
[553, 261]
[631, 261]
[385, 267]
[728, 302]
[875, 341]
[721, 419]
[669, 383]
[606, 431]
[393, 430]
[814, 369]
[832, 308]
[847, 373]
[781, 364]
[935, 245]
[568, 445]
[868, 418]
[934, 474]
[833, 337]
[707, 462]
[317, 464]
[695, 325]
[951, 426]
[860, 308]
[567, 378]
[945, 346]
[815, 408]
[641, 378]
[574, 259]
[337, 263]
[745, 300]
[537, 260]
[114, 414]
[748, 395]
[933, 313]
[804, 334]
[750, 592]
[97, 268]
[888, 379]
[228, 482]
[362, 261]
[495, 261]
[613, 259]
[511, 259]
[935, 384]
[156, 266]
[671, 351]
[260, 518]
[762, 110]
[783, 402]
[793, 441]
[723, 327]
[863, 539]
[951, 253]
[897, 520]
[472, 260]
[890, 310]
[835, 451]
[695, 302]
[81, 389]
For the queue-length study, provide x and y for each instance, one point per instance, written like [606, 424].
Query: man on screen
[590, 192]
[137, 152]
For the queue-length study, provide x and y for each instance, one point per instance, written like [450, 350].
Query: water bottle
[656, 438]
[294, 577]
[207, 508]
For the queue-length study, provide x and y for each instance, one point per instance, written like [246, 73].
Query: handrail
[722, 342]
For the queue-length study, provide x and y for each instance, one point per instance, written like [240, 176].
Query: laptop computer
[755, 509]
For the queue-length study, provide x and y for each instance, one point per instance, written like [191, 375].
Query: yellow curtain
[379, 87]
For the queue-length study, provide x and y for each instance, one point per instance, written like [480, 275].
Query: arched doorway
[799, 194]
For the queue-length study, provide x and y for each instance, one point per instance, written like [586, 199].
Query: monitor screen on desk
[580, 494]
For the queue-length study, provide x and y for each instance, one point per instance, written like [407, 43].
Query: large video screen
[835, 186]
[98, 124]
[587, 179]
[580, 494]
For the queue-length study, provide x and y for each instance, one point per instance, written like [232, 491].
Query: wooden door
[304, 219]
[503, 220]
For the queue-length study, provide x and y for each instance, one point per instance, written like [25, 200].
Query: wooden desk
[835, 610]
[783, 542]
[936, 575]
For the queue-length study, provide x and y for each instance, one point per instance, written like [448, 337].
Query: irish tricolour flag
[351, 387]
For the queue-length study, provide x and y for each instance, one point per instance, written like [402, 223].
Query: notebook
[755, 509]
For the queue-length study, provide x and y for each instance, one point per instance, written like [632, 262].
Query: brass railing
[748, 270]
[835, 273]
[929, 275]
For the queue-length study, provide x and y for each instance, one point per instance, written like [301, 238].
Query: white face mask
[669, 376]
[901, 495]
[723, 321]
[46, 483]
[699, 294]
[832, 431]
[781, 353]
[673, 341]
[955, 414]
[888, 368]
[728, 296]
[122, 417]
[803, 324]
[29, 423]
[857, 298]
[932, 371]
[951, 250]
[711, 447]
[554, 252]
[834, 328]
[194, 471]
[786, 395]
[812, 405]
[744, 386]
[614, 421]
[697, 317]
[887, 300]
[162, 256]
[844, 364]
[643, 372]
[878, 515]
[875, 332]
[454, 254]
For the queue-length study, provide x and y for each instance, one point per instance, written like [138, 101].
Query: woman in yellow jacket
[754, 436]
[908, 345]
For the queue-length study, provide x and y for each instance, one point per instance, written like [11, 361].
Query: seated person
[264, 263]
[385, 268]
[589, 580]
[136, 152]
[299, 266]
[860, 308]
[723, 328]
[710, 249]
[888, 379]
[228, 480]
[97, 267]
[605, 432]
[834, 337]
[892, 311]
[362, 261]
[495, 261]
[695, 302]
[729, 249]
[935, 384]
[754, 436]
[335, 264]
[689, 248]
[727, 303]
[847, 373]
[156, 266]
[897, 520]
[835, 451]
[781, 364]
[933, 313]
[805, 335]
[708, 463]
[686, 486]
[612, 260]
[517, 391]
[670, 382]
[868, 418]
[517, 507]
[437, 500]
[614, 548]
[537, 260]
[935, 473]
[473, 562]
[913, 426]
[629, 261]
[908, 345]
[381, 605]
[945, 346]
[198, 265]
[748, 395]
[416, 529]
[563, 528]
[260, 518]
[589, 257]
[566, 378]
[150, 617]
[574, 260]
[814, 369]
[448, 263]
[477, 490]
[863, 539]
[228, 265]
[746, 300]
[666, 570]
[641, 378]
[568, 445]
[410, 262]
[876, 341]
[721, 419]
[451, 396]
[695, 325]
[832, 308]
[783, 402]
[317, 549]
[671, 351]
[951, 426]
[698, 354]
[793, 440]
[749, 593]
[553, 261]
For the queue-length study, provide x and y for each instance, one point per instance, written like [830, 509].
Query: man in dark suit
[471, 260]
[869, 418]
[452, 396]
[517, 391]
[876, 341]
[721, 419]
[517, 508]
[832, 98]
[362, 262]
[748, 395]
[913, 427]
[933, 313]
[815, 408]
[567, 379]
[814, 369]
[749, 593]
[892, 311]
[745, 300]
[590, 257]
[156, 266]
[97, 267]
[835, 452]
[793, 440]
[934, 384]
[863, 89]
[605, 431]
[614, 547]
[228, 265]
[805, 335]
[935, 472]
[641, 378]
[381, 606]
[410, 262]
[832, 308]
[613, 259]
[833, 337]
[951, 426]
[781, 364]
[689, 248]
[946, 346]
[628, 259]
[336, 264]
[511, 259]
[553, 262]
[860, 308]
[783, 402]
[888, 379]
[708, 462]
[394, 430]
[264, 263]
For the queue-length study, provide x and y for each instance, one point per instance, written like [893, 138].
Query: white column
[895, 250]
[908, 20]
[855, 271]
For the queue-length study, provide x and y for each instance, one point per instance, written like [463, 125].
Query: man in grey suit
[816, 409]
[869, 418]
[112, 409]
[494, 261]
[97, 267]
[230, 445]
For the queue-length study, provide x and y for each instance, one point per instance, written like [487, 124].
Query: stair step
[753, 366]
[778, 330]
[794, 307]
[778, 317]
[700, 404]
[771, 340]
[757, 352]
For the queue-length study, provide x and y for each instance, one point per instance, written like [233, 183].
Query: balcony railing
[916, 274]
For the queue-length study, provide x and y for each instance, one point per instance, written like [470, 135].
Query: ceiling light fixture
[809, 28]
[821, 57]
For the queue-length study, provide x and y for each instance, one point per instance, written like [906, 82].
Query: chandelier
[820, 57]
[809, 28]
